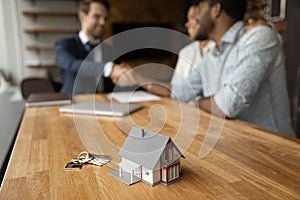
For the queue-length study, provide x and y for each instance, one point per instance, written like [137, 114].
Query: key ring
[83, 157]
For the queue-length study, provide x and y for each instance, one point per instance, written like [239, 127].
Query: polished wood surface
[246, 163]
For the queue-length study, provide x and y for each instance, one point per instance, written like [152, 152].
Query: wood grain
[247, 162]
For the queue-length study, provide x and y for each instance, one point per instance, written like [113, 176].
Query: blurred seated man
[188, 58]
[191, 55]
[252, 79]
[82, 71]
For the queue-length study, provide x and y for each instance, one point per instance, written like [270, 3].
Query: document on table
[133, 96]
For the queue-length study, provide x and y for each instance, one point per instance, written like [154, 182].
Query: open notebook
[102, 108]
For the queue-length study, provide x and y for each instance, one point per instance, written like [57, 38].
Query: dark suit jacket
[79, 71]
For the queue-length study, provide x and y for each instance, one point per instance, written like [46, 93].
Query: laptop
[102, 108]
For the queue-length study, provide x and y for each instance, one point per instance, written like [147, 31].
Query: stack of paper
[133, 96]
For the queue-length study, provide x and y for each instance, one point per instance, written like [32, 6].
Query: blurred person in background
[99, 71]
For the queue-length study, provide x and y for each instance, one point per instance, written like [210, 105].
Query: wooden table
[246, 163]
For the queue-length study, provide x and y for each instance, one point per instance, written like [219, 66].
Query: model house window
[170, 173]
[173, 172]
[164, 157]
[147, 173]
[163, 174]
[170, 154]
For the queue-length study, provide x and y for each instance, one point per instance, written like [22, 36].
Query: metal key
[99, 160]
[95, 159]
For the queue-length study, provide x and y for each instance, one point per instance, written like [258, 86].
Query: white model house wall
[151, 176]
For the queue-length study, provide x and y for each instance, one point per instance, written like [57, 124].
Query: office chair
[55, 78]
[296, 105]
[36, 85]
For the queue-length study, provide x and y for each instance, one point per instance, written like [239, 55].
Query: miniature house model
[148, 157]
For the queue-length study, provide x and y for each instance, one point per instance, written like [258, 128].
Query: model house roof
[144, 147]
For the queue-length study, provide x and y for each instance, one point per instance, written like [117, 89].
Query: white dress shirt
[97, 51]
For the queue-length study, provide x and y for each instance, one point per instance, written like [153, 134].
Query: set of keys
[88, 158]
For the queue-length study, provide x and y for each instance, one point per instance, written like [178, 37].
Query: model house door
[137, 172]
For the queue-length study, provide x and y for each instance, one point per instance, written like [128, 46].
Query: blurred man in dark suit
[84, 68]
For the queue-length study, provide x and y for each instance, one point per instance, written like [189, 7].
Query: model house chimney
[140, 133]
[143, 133]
